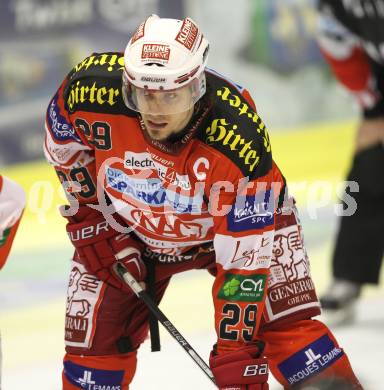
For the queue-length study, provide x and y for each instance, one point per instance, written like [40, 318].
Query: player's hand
[99, 247]
[242, 369]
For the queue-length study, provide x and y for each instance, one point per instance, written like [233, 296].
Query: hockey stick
[144, 296]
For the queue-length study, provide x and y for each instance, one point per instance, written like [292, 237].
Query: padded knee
[305, 352]
[114, 372]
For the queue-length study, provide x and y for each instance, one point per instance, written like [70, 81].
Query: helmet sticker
[139, 32]
[155, 53]
[187, 34]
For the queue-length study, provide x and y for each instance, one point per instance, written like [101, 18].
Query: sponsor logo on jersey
[225, 133]
[138, 160]
[249, 253]
[243, 109]
[251, 212]
[60, 128]
[250, 258]
[310, 360]
[83, 296]
[162, 160]
[243, 288]
[83, 377]
[290, 286]
[151, 192]
[168, 175]
[190, 255]
[187, 34]
[169, 226]
[152, 51]
[109, 61]
[94, 93]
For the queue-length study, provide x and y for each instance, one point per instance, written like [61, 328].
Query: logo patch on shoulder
[60, 128]
[251, 212]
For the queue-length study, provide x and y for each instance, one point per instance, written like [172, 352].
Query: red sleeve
[353, 71]
[347, 59]
[244, 221]
[6, 241]
[12, 203]
[67, 148]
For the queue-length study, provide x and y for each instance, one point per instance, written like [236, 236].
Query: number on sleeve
[232, 318]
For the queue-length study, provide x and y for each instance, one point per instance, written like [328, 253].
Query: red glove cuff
[240, 368]
[99, 246]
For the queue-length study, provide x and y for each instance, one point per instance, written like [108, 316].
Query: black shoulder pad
[95, 85]
[337, 9]
[236, 130]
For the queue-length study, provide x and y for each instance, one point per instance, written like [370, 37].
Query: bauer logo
[251, 212]
[309, 361]
[243, 288]
[153, 79]
[92, 379]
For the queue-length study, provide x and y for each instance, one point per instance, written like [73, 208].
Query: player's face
[160, 127]
[165, 112]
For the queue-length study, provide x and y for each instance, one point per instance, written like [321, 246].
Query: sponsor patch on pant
[290, 286]
[84, 295]
[311, 360]
[92, 378]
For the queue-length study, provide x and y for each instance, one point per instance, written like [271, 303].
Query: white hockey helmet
[164, 66]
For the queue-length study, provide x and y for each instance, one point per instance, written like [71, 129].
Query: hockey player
[12, 202]
[172, 170]
[351, 38]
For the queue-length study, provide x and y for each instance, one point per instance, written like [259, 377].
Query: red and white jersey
[216, 183]
[352, 41]
[12, 203]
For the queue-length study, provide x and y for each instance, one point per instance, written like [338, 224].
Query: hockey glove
[243, 369]
[99, 246]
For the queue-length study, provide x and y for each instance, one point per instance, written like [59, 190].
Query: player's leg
[305, 351]
[299, 349]
[103, 330]
[359, 245]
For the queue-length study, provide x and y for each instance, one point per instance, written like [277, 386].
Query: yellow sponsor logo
[93, 94]
[243, 108]
[225, 133]
[109, 61]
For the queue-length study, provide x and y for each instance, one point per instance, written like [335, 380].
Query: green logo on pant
[247, 288]
[4, 236]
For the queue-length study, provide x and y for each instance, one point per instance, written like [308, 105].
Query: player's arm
[347, 58]
[70, 148]
[244, 226]
[12, 203]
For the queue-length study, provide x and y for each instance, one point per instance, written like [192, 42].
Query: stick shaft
[171, 329]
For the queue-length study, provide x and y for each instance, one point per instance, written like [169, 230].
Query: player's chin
[158, 135]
